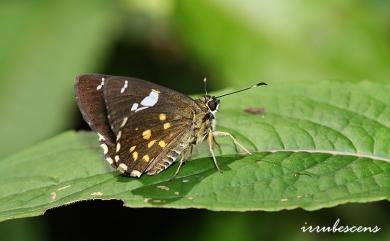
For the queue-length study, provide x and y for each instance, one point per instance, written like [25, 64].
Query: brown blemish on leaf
[255, 110]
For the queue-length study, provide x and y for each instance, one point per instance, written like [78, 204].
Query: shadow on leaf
[162, 189]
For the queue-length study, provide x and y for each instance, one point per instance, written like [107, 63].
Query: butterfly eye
[212, 104]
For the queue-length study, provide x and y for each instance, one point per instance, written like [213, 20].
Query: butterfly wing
[90, 99]
[150, 123]
[151, 152]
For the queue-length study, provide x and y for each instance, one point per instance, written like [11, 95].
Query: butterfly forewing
[149, 121]
[90, 99]
[137, 99]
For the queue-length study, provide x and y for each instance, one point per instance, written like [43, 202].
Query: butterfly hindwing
[149, 121]
[148, 146]
[90, 99]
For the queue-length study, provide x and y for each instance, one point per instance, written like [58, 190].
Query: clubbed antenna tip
[260, 84]
[205, 85]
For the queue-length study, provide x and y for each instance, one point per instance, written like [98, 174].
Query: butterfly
[144, 127]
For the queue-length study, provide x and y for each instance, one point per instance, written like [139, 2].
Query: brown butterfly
[144, 127]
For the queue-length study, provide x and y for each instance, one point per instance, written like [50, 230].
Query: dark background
[176, 43]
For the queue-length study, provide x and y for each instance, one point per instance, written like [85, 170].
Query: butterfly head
[212, 103]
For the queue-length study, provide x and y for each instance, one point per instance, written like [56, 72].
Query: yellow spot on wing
[135, 155]
[162, 144]
[132, 148]
[162, 117]
[167, 125]
[147, 134]
[145, 158]
[150, 144]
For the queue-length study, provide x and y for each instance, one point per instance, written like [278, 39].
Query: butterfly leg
[216, 143]
[222, 133]
[189, 153]
[210, 139]
[178, 168]
[185, 156]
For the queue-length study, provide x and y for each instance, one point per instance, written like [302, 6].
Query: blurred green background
[45, 44]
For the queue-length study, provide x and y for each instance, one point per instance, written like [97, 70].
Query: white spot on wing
[109, 160]
[135, 173]
[147, 102]
[124, 86]
[142, 108]
[101, 85]
[134, 107]
[124, 122]
[122, 166]
[101, 137]
[151, 99]
[105, 148]
[118, 136]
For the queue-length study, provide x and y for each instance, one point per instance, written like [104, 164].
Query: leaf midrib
[334, 153]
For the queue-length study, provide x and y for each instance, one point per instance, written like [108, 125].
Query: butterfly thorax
[205, 120]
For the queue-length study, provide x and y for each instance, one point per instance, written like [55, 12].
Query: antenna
[248, 88]
[205, 84]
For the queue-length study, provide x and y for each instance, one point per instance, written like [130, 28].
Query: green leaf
[314, 146]
[283, 40]
[44, 45]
